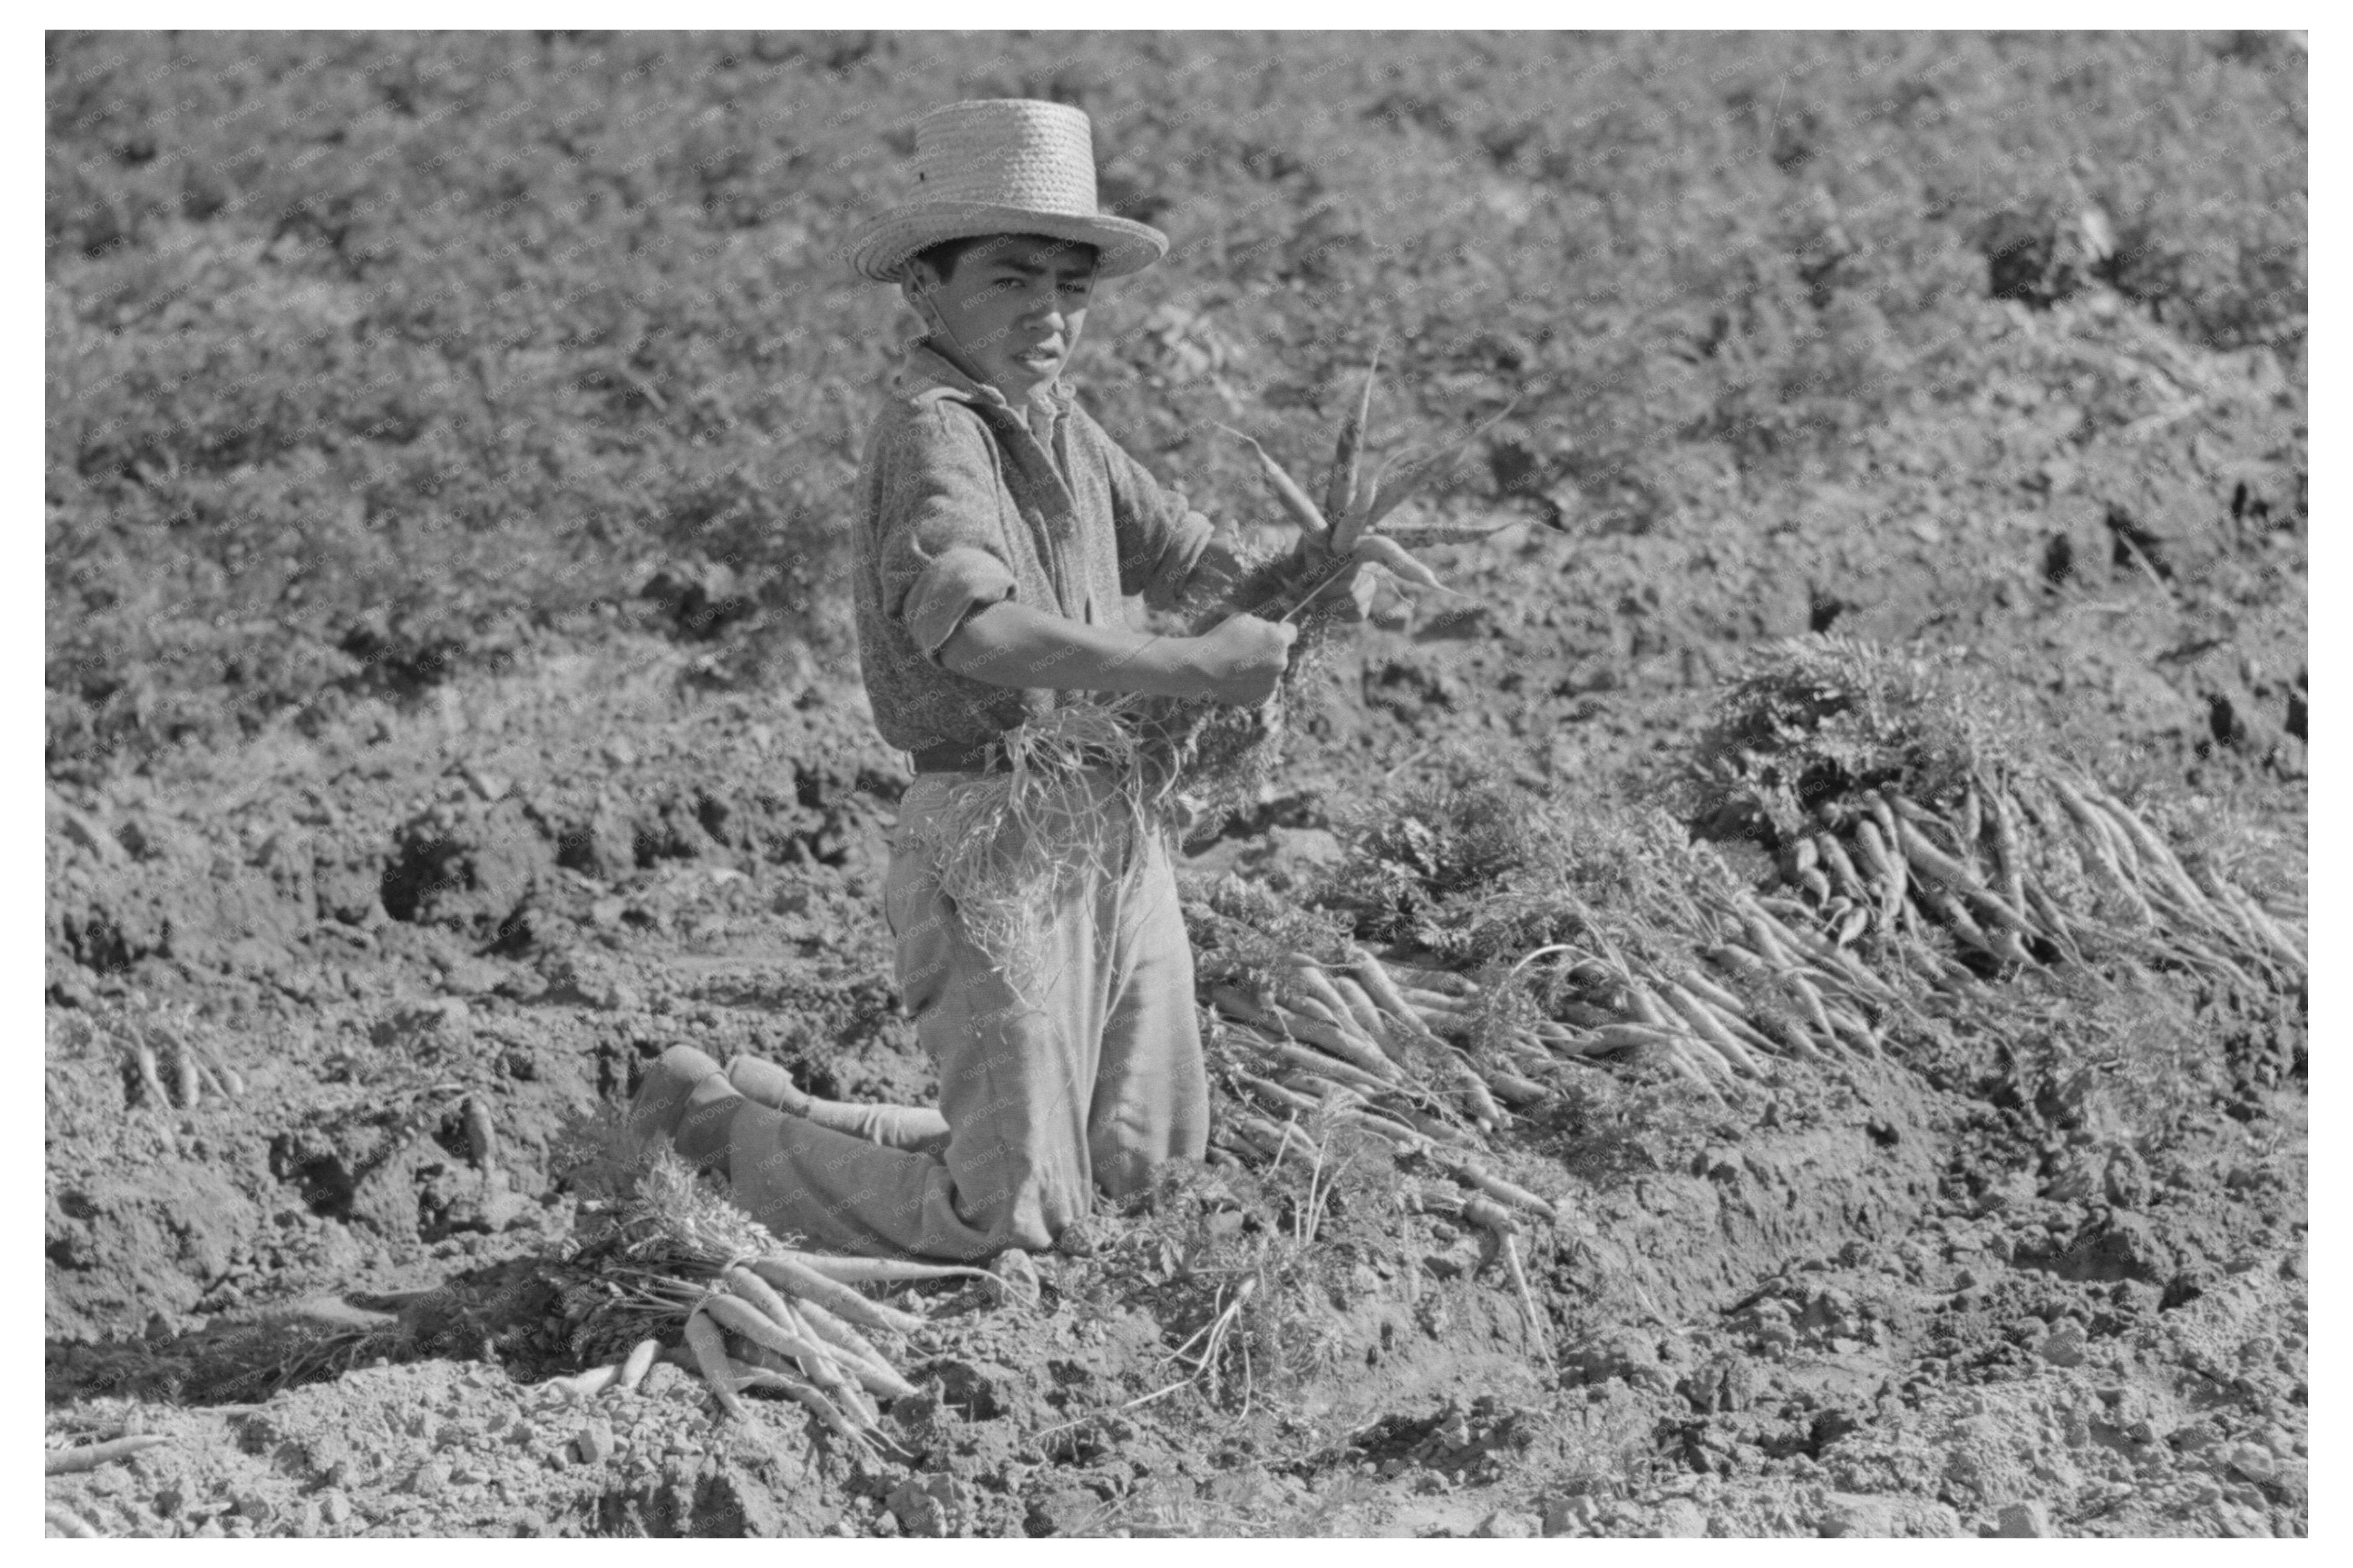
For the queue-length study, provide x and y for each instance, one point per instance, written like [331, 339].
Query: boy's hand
[1240, 661]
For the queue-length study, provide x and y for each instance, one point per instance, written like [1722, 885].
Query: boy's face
[1013, 308]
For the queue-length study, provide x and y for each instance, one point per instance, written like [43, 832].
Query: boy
[1000, 530]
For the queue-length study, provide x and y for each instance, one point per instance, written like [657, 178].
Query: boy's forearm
[1012, 644]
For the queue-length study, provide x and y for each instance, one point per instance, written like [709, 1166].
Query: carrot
[1517, 1091]
[1296, 1056]
[1310, 977]
[151, 1081]
[1855, 1029]
[758, 1293]
[2271, 930]
[2153, 849]
[780, 1270]
[1425, 1002]
[587, 1385]
[1497, 1188]
[1871, 858]
[1388, 552]
[71, 1461]
[1626, 1038]
[1741, 1029]
[1459, 1027]
[1747, 967]
[2056, 923]
[68, 1524]
[1286, 490]
[1817, 1011]
[640, 1362]
[833, 1373]
[1277, 1097]
[1270, 1138]
[2107, 847]
[1361, 1008]
[1379, 984]
[1719, 1039]
[1345, 1044]
[1430, 1126]
[1474, 1090]
[1445, 982]
[1842, 870]
[1586, 1015]
[1396, 1135]
[1938, 868]
[481, 1138]
[739, 1316]
[805, 1394]
[710, 1351]
[2243, 921]
[1489, 1214]
[1340, 489]
[1711, 995]
[881, 1270]
[2009, 869]
[210, 1073]
[856, 1353]
[1386, 995]
[1845, 967]
[2122, 844]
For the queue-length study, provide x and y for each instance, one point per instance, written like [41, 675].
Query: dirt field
[451, 704]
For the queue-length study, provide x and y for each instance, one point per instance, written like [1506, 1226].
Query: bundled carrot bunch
[1334, 1037]
[1219, 754]
[166, 1053]
[1902, 826]
[682, 1264]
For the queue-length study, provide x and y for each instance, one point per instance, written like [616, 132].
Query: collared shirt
[962, 505]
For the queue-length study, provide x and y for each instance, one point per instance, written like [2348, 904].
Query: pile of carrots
[2044, 868]
[787, 1322]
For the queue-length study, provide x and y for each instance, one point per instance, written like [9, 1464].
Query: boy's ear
[917, 285]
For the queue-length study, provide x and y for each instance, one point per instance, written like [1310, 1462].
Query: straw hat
[1002, 166]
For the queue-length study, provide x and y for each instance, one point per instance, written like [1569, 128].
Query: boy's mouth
[1039, 357]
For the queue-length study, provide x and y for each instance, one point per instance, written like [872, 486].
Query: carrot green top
[960, 505]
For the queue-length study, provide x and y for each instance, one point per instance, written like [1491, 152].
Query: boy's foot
[663, 1098]
[701, 1135]
[768, 1084]
[688, 1100]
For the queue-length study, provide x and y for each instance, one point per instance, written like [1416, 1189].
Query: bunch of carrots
[789, 1322]
[684, 1276]
[1423, 1056]
[2004, 870]
[164, 1058]
[1340, 532]
[1217, 754]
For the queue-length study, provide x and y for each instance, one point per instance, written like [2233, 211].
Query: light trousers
[1087, 1077]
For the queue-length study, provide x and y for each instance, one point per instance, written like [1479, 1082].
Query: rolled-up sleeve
[941, 548]
[1159, 537]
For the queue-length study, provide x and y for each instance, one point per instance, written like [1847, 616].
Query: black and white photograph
[1454, 785]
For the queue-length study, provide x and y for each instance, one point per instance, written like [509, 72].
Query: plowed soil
[2047, 1286]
